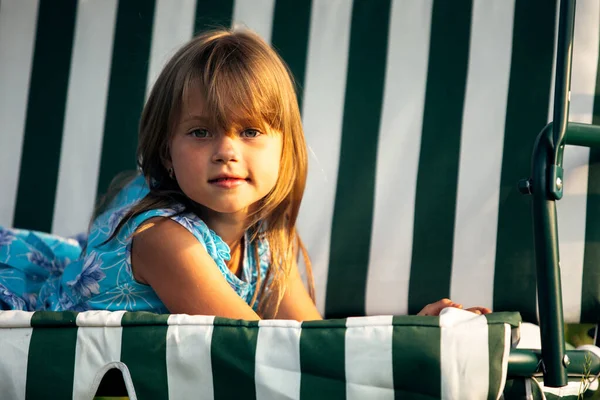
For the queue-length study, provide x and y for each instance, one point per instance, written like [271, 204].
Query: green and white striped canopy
[64, 355]
[420, 116]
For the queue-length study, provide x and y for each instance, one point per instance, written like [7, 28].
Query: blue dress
[46, 272]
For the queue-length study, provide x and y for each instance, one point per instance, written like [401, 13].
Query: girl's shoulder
[105, 272]
[106, 223]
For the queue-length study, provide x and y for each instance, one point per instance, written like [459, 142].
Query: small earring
[171, 173]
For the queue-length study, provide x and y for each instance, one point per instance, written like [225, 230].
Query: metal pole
[562, 89]
[547, 264]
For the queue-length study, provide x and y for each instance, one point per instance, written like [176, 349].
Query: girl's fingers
[479, 310]
[434, 309]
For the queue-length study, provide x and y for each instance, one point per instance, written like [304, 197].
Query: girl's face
[228, 170]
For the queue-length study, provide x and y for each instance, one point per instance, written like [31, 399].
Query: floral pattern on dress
[6, 237]
[86, 283]
[11, 300]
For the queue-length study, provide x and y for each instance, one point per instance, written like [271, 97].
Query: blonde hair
[239, 76]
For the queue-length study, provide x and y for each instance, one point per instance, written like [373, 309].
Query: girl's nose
[225, 150]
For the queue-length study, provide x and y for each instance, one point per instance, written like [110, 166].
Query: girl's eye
[200, 133]
[251, 133]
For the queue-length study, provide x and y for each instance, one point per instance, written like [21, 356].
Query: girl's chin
[226, 209]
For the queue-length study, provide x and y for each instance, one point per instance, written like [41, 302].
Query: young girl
[209, 227]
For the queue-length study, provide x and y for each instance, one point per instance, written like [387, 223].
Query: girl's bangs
[240, 89]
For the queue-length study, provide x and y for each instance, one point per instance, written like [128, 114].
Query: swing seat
[420, 117]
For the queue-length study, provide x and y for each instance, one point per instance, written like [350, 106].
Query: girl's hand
[479, 310]
[434, 309]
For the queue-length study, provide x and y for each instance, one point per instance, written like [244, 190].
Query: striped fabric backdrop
[420, 116]
[456, 356]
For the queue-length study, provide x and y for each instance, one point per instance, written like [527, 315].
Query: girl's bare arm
[171, 260]
[296, 303]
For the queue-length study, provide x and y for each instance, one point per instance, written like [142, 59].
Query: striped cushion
[420, 116]
[181, 356]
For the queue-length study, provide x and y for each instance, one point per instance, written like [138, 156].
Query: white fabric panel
[464, 354]
[277, 368]
[572, 208]
[16, 319]
[482, 141]
[84, 116]
[173, 26]
[17, 39]
[96, 351]
[14, 353]
[323, 112]
[256, 15]
[507, 344]
[13, 362]
[398, 150]
[99, 318]
[368, 358]
[189, 368]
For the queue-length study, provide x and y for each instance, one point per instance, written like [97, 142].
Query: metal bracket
[555, 181]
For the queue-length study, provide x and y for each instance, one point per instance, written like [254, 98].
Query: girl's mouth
[227, 182]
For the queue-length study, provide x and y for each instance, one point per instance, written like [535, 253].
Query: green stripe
[496, 352]
[416, 348]
[435, 197]
[144, 351]
[291, 31]
[511, 318]
[322, 360]
[44, 122]
[143, 318]
[233, 354]
[353, 210]
[127, 89]
[51, 357]
[53, 319]
[212, 14]
[590, 298]
[526, 115]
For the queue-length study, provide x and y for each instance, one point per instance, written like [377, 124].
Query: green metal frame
[546, 187]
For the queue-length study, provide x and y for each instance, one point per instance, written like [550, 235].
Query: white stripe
[173, 26]
[464, 355]
[368, 358]
[84, 116]
[13, 362]
[15, 319]
[97, 350]
[277, 362]
[507, 344]
[398, 151]
[99, 318]
[323, 114]
[184, 319]
[256, 15]
[572, 208]
[189, 370]
[17, 37]
[482, 140]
